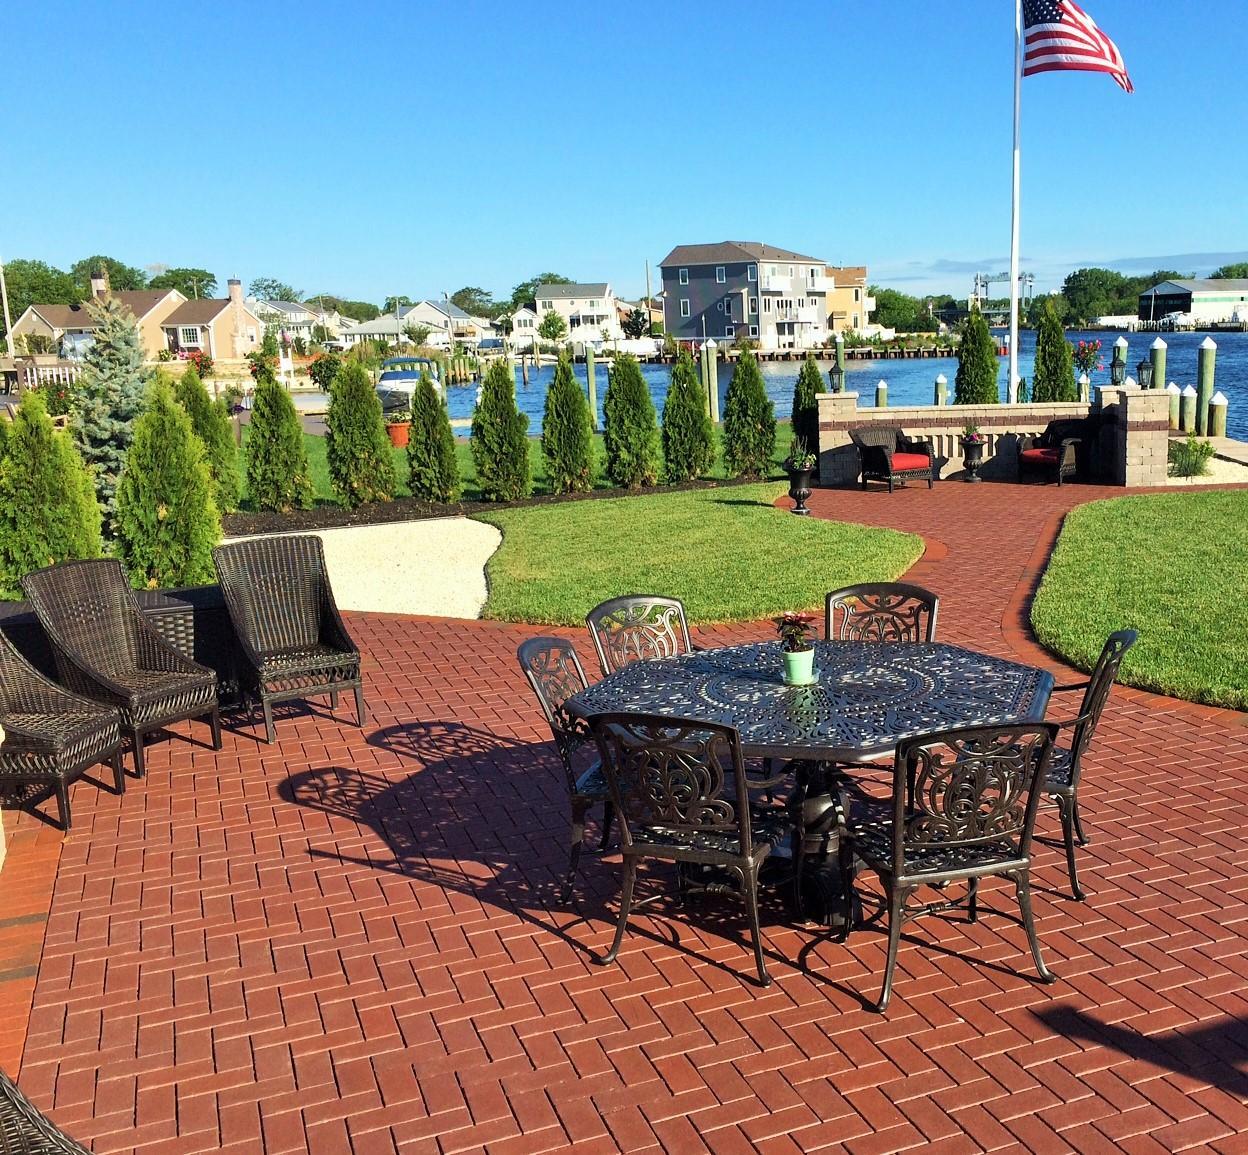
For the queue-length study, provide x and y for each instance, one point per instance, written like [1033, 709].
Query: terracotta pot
[399, 433]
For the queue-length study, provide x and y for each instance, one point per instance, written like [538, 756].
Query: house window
[684, 276]
[855, 320]
[546, 305]
[790, 270]
[754, 305]
[719, 306]
[721, 277]
[730, 331]
[593, 304]
[766, 304]
[856, 298]
[752, 272]
[753, 330]
[684, 306]
[251, 335]
[728, 306]
[188, 335]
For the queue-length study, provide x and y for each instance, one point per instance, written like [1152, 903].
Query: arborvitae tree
[361, 466]
[211, 422]
[688, 439]
[567, 432]
[324, 370]
[631, 429]
[278, 474]
[167, 521]
[805, 407]
[976, 381]
[500, 445]
[749, 421]
[1054, 377]
[431, 459]
[48, 508]
[108, 399]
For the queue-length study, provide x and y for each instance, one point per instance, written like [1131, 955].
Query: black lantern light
[1144, 373]
[836, 378]
[1117, 373]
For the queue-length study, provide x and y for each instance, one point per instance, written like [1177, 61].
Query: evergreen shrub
[212, 425]
[357, 449]
[567, 433]
[630, 426]
[1054, 376]
[805, 408]
[688, 439]
[278, 474]
[500, 445]
[749, 421]
[431, 461]
[976, 380]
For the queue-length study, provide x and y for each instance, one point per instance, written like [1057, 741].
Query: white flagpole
[1011, 386]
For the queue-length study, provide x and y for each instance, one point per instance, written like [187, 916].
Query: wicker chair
[51, 737]
[636, 628]
[963, 808]
[555, 673]
[25, 1131]
[288, 625]
[677, 786]
[881, 612]
[886, 454]
[1054, 454]
[106, 650]
[1062, 784]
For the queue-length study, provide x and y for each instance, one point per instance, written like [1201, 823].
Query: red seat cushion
[909, 461]
[1040, 456]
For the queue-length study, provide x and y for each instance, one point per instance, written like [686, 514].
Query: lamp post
[836, 375]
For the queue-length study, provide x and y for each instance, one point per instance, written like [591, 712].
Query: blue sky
[418, 148]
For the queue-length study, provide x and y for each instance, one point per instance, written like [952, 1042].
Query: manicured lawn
[467, 472]
[728, 554]
[1172, 567]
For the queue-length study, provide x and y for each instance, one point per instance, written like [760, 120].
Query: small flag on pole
[1058, 34]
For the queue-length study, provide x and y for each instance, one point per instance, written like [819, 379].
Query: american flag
[1058, 34]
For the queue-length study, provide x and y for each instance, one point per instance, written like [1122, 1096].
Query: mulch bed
[411, 509]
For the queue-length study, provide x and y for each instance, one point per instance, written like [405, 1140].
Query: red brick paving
[351, 942]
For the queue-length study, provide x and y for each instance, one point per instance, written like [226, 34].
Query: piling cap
[1121, 342]
[1130, 383]
[1172, 388]
[839, 336]
[880, 382]
[710, 344]
[941, 379]
[1219, 398]
[1189, 390]
[1084, 379]
[1208, 343]
[1158, 344]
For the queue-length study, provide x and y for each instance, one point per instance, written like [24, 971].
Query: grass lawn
[468, 474]
[728, 554]
[1171, 566]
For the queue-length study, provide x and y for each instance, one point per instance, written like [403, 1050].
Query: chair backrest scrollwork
[637, 628]
[881, 612]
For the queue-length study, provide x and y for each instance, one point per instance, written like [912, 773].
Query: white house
[395, 329]
[524, 323]
[467, 330]
[589, 310]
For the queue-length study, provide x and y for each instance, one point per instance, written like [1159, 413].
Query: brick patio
[351, 941]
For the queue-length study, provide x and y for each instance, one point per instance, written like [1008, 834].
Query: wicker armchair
[288, 625]
[106, 650]
[886, 454]
[680, 789]
[51, 737]
[1054, 454]
[25, 1131]
[555, 673]
[963, 808]
[881, 612]
[636, 628]
[1065, 767]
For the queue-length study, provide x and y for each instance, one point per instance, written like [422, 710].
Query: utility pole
[8, 323]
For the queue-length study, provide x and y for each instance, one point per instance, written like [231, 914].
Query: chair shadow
[1216, 1052]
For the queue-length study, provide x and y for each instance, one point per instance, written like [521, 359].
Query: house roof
[201, 312]
[139, 301]
[1202, 285]
[286, 306]
[451, 310]
[726, 252]
[565, 292]
[385, 325]
[848, 272]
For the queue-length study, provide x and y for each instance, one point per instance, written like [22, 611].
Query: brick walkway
[351, 942]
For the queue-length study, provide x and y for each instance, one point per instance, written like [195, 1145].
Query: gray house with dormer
[739, 289]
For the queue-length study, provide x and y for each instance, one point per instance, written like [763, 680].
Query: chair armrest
[333, 629]
[84, 680]
[157, 654]
[876, 457]
[1066, 451]
[916, 445]
[1072, 686]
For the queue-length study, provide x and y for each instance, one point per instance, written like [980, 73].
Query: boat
[398, 380]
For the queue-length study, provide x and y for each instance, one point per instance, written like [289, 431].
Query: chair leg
[1066, 807]
[845, 859]
[360, 715]
[267, 707]
[972, 899]
[62, 803]
[626, 903]
[1023, 886]
[140, 770]
[333, 699]
[119, 772]
[608, 815]
[1074, 810]
[214, 723]
[751, 906]
[578, 840]
[896, 904]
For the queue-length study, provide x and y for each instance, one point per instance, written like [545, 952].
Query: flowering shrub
[198, 358]
[56, 397]
[1087, 357]
[262, 365]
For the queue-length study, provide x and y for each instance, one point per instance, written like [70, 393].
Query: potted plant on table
[399, 427]
[798, 646]
[800, 466]
[973, 443]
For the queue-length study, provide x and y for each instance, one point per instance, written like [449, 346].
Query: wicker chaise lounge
[288, 625]
[51, 737]
[106, 650]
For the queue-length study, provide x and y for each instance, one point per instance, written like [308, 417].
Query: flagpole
[1011, 385]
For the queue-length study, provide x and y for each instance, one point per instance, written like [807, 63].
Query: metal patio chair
[637, 628]
[881, 612]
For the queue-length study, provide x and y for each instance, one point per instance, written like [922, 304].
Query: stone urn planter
[800, 466]
[973, 445]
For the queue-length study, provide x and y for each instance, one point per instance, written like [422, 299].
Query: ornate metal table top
[868, 697]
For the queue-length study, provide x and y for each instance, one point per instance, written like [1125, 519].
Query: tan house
[65, 326]
[227, 330]
[849, 306]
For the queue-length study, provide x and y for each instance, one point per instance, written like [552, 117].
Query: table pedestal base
[822, 895]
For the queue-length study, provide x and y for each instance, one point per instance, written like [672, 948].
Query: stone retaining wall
[1131, 449]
